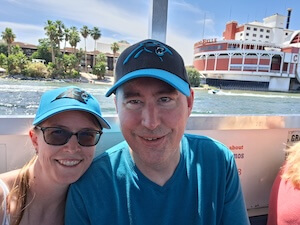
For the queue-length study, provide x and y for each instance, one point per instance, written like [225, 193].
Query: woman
[284, 205]
[67, 126]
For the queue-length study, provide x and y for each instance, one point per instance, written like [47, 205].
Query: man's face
[153, 116]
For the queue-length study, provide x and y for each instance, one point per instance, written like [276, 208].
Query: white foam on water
[27, 88]
[229, 93]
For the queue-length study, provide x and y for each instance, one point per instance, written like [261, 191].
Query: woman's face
[64, 164]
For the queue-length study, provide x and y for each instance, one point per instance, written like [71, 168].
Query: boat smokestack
[288, 18]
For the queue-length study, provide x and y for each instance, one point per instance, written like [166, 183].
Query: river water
[21, 97]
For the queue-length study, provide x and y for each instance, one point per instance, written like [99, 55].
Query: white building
[273, 29]
[106, 48]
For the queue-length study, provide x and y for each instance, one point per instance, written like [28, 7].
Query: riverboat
[257, 141]
[254, 56]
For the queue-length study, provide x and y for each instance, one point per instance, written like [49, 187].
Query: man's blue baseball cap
[68, 99]
[151, 58]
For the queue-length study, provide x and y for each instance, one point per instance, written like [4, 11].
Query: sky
[189, 21]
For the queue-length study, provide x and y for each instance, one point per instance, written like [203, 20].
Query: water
[19, 97]
[246, 102]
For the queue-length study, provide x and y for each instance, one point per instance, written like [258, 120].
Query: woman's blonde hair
[292, 165]
[17, 197]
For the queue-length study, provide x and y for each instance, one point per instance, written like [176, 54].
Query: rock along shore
[84, 78]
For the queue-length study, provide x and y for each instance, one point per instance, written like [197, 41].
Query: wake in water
[265, 95]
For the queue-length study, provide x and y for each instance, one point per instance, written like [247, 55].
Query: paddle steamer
[256, 56]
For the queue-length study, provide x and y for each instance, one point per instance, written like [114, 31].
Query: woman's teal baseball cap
[68, 99]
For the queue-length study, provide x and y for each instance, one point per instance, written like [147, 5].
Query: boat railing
[257, 141]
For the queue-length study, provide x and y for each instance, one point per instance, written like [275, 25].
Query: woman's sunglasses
[60, 136]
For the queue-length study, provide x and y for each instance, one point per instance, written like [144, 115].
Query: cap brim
[51, 113]
[163, 75]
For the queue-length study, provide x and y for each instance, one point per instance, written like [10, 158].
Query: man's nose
[150, 117]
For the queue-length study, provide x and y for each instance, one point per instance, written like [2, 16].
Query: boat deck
[258, 144]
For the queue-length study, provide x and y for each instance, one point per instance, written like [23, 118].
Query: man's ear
[190, 101]
[116, 105]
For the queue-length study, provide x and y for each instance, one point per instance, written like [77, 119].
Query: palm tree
[59, 32]
[96, 34]
[8, 36]
[114, 47]
[50, 29]
[66, 37]
[85, 32]
[55, 33]
[74, 38]
[59, 38]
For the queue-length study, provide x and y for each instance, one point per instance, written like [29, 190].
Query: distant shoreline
[91, 78]
[84, 78]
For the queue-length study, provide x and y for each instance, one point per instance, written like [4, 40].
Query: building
[29, 49]
[257, 56]
[106, 48]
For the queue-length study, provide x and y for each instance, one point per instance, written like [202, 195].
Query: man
[158, 175]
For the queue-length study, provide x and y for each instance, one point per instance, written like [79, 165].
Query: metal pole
[158, 20]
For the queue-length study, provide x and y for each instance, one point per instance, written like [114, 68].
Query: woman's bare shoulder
[9, 177]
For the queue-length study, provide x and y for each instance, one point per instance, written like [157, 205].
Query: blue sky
[128, 19]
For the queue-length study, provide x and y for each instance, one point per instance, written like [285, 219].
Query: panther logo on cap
[151, 47]
[74, 93]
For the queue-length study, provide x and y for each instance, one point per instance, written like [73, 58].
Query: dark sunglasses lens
[56, 136]
[88, 137]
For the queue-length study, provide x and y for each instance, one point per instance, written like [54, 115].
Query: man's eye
[165, 99]
[134, 101]
[133, 104]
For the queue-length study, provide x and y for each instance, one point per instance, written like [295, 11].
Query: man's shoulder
[113, 153]
[203, 139]
[105, 162]
[115, 149]
[204, 144]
